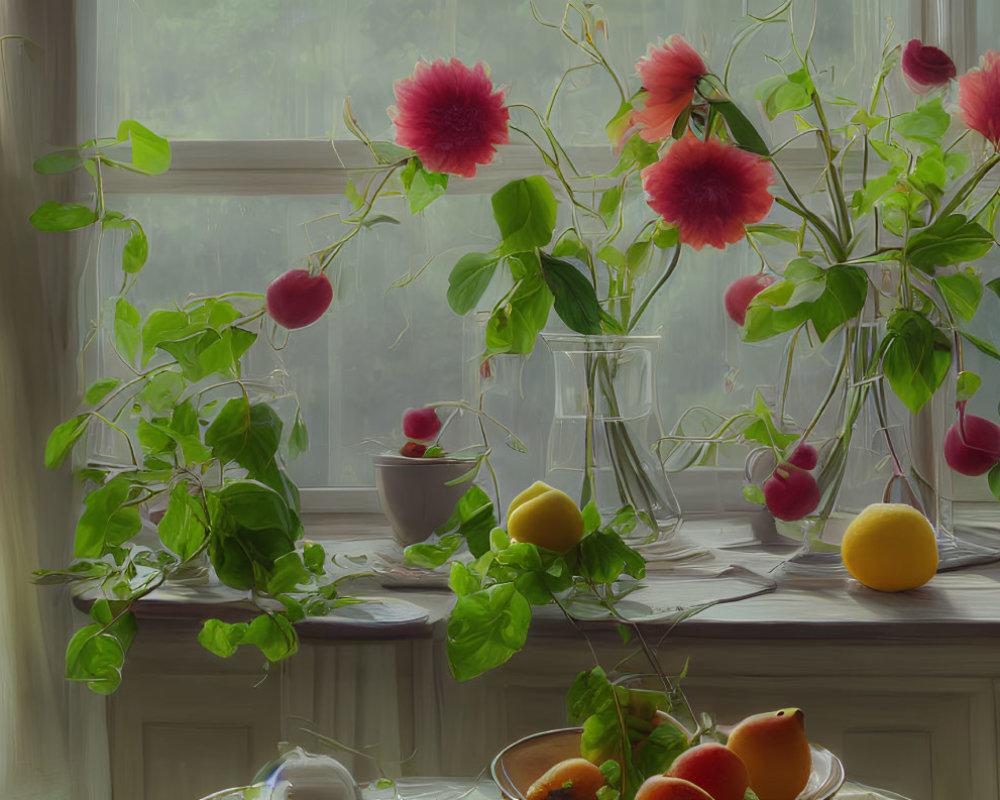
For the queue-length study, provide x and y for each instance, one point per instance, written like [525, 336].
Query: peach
[713, 767]
[297, 298]
[790, 493]
[577, 775]
[741, 292]
[972, 445]
[775, 750]
[663, 787]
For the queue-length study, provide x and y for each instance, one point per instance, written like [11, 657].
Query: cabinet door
[925, 738]
[185, 723]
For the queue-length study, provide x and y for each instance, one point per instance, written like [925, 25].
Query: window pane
[248, 69]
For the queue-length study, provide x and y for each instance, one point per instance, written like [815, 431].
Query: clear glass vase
[606, 416]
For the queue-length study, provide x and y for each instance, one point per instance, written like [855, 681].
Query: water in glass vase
[605, 418]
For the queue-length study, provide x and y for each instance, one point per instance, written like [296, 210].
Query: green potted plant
[189, 446]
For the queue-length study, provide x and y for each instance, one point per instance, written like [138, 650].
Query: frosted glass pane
[246, 69]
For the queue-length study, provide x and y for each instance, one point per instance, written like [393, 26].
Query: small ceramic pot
[413, 494]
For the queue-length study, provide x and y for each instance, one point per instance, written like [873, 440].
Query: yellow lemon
[890, 547]
[546, 517]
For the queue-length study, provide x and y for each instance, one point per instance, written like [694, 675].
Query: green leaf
[469, 279]
[525, 211]
[569, 244]
[352, 194]
[590, 693]
[422, 186]
[273, 635]
[774, 231]
[126, 328]
[62, 439]
[753, 494]
[298, 438]
[150, 152]
[162, 391]
[917, 358]
[658, 751]
[611, 201]
[161, 326]
[967, 384]
[927, 124]
[287, 574]
[136, 250]
[245, 433]
[994, 286]
[221, 638]
[473, 518]
[433, 555]
[962, 292]
[981, 345]
[575, 299]
[779, 94]
[99, 389]
[53, 216]
[874, 190]
[741, 128]
[105, 522]
[183, 526]
[96, 658]
[485, 629]
[462, 581]
[390, 153]
[950, 240]
[60, 161]
[604, 557]
[993, 480]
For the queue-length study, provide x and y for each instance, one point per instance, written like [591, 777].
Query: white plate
[518, 765]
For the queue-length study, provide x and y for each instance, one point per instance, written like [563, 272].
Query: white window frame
[313, 166]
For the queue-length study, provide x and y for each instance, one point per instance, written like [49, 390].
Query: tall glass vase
[605, 418]
[868, 458]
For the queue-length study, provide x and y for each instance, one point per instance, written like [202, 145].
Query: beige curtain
[46, 725]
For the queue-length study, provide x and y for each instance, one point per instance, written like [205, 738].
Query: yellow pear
[546, 517]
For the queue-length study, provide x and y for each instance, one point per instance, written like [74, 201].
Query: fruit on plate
[713, 767]
[775, 750]
[572, 779]
[296, 298]
[890, 547]
[663, 787]
[545, 517]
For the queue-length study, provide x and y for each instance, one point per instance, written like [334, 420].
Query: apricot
[297, 298]
[663, 787]
[775, 750]
[741, 292]
[715, 768]
[546, 517]
[572, 779]
[790, 493]
[421, 424]
[972, 445]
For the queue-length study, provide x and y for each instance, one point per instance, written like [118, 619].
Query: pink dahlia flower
[709, 190]
[925, 67]
[669, 76]
[979, 97]
[450, 116]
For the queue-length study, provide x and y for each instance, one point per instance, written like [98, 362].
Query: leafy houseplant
[197, 444]
[878, 257]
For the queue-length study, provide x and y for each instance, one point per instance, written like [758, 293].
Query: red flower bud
[296, 298]
[925, 67]
[972, 445]
[421, 424]
[790, 493]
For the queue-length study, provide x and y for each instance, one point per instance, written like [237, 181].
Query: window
[249, 92]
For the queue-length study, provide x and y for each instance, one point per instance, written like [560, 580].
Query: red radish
[790, 493]
[296, 298]
[421, 424]
[413, 450]
[804, 457]
[972, 445]
[741, 292]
